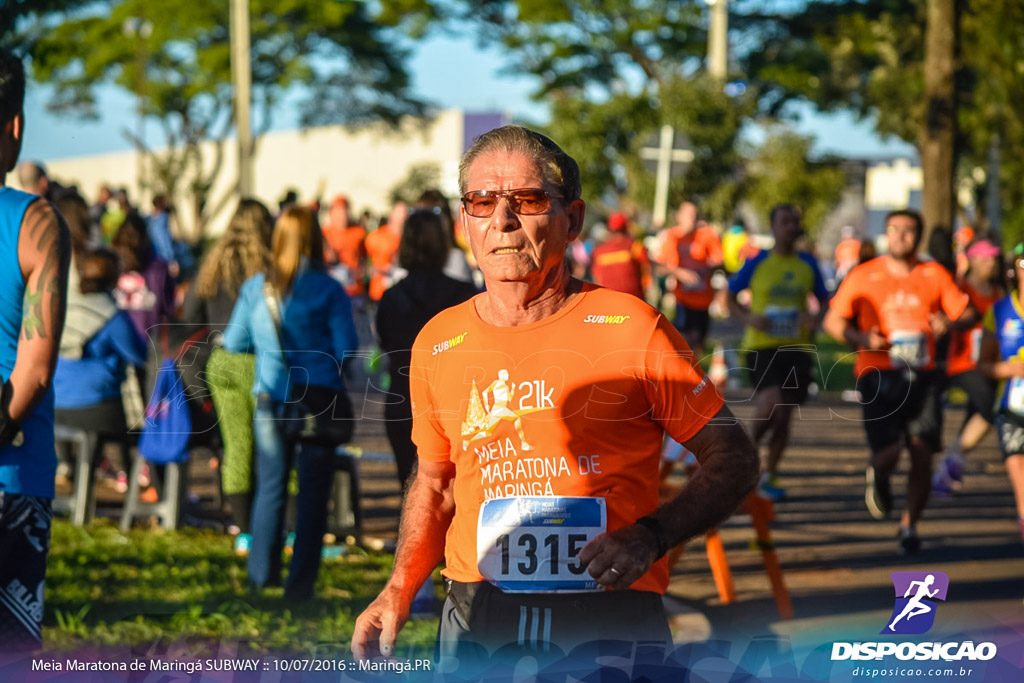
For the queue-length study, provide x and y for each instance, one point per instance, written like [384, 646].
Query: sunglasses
[524, 201]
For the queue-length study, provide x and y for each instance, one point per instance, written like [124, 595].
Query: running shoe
[769, 488]
[910, 543]
[877, 494]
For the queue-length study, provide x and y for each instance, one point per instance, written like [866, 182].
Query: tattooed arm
[44, 252]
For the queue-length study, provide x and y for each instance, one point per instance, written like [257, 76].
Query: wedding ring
[615, 571]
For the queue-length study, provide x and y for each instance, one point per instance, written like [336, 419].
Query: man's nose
[504, 218]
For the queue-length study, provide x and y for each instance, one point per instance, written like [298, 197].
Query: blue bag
[168, 427]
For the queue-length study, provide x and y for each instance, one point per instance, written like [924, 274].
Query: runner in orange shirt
[899, 305]
[346, 241]
[690, 252]
[847, 254]
[538, 452]
[381, 250]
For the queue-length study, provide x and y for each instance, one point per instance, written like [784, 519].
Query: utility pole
[140, 29]
[718, 40]
[241, 76]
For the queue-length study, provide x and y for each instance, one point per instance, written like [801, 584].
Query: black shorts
[981, 393]
[692, 321]
[788, 368]
[902, 404]
[24, 544]
[1010, 433]
[484, 627]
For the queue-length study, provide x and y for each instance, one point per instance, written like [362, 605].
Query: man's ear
[17, 125]
[577, 211]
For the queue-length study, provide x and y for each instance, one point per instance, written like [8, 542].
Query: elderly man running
[562, 544]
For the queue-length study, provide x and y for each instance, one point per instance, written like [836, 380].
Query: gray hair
[557, 167]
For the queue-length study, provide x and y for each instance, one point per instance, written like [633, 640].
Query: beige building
[362, 163]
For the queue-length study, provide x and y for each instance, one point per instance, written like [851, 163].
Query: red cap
[618, 221]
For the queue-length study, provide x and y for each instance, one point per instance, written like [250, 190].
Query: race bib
[783, 321]
[910, 347]
[531, 544]
[1015, 395]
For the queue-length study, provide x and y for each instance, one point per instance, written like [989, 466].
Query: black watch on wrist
[658, 531]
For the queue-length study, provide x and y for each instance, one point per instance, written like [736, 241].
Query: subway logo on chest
[606, 319]
[449, 343]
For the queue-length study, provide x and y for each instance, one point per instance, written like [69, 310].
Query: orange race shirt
[572, 405]
[900, 307]
[699, 249]
[965, 345]
[847, 252]
[347, 243]
[381, 247]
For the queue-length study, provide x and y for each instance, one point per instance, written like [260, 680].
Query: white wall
[888, 186]
[363, 164]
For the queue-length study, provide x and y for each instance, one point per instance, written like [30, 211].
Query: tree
[348, 63]
[614, 73]
[869, 56]
[780, 172]
[420, 178]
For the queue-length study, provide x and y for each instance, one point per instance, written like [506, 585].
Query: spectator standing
[35, 253]
[403, 311]
[457, 266]
[158, 226]
[316, 331]
[239, 254]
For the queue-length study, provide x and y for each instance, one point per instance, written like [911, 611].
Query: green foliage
[780, 172]
[601, 136]
[868, 56]
[600, 46]
[350, 66]
[154, 587]
[421, 177]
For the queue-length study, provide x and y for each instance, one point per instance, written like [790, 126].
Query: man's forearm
[728, 472]
[29, 385]
[426, 516]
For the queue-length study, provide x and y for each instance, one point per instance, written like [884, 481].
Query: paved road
[837, 559]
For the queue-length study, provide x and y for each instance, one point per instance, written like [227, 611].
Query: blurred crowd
[269, 311]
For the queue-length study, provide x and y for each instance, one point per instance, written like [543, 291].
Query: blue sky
[451, 71]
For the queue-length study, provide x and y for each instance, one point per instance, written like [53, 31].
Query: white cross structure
[665, 154]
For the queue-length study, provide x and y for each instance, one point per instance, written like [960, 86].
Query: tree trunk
[938, 153]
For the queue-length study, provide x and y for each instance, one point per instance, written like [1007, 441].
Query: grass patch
[153, 586]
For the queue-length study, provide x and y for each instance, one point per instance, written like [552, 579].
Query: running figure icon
[915, 606]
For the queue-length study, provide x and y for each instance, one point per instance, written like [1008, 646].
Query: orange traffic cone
[719, 371]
